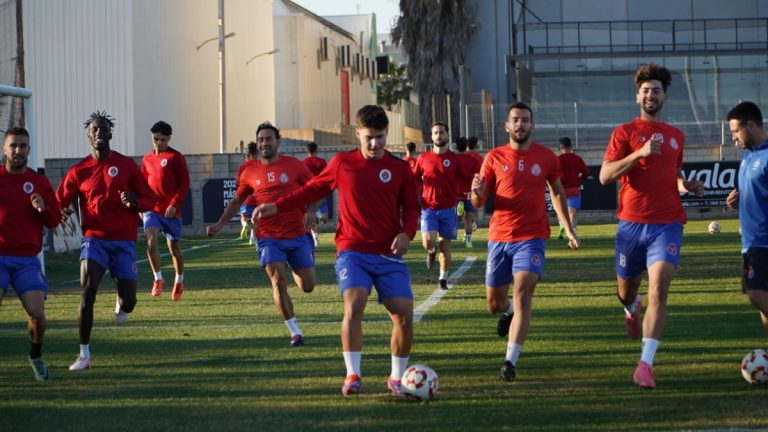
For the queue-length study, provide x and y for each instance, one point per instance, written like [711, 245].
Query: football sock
[85, 350]
[632, 307]
[293, 326]
[443, 274]
[649, 350]
[399, 364]
[159, 275]
[352, 362]
[468, 237]
[179, 278]
[513, 352]
[433, 250]
[511, 307]
[35, 350]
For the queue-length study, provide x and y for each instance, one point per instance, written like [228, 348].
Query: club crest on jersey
[28, 187]
[536, 260]
[283, 178]
[164, 163]
[750, 272]
[112, 171]
[672, 249]
[673, 143]
[446, 163]
[756, 165]
[505, 168]
[385, 175]
[536, 169]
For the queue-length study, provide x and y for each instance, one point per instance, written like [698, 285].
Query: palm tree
[393, 86]
[434, 34]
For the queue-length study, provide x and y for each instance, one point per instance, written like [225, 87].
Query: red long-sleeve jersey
[315, 164]
[168, 177]
[377, 200]
[97, 185]
[440, 174]
[21, 226]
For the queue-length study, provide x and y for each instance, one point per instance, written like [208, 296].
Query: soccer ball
[754, 367]
[714, 227]
[419, 382]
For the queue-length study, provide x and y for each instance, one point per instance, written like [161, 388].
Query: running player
[166, 172]
[465, 210]
[26, 205]
[112, 192]
[439, 171]
[575, 171]
[646, 156]
[282, 240]
[316, 164]
[518, 174]
[378, 214]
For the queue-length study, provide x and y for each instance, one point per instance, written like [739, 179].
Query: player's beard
[654, 109]
[440, 144]
[521, 140]
[18, 162]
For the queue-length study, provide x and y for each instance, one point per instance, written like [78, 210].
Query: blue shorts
[323, 209]
[171, 227]
[574, 202]
[23, 272]
[507, 258]
[443, 221]
[639, 245]
[298, 252]
[468, 207]
[387, 272]
[119, 256]
[247, 210]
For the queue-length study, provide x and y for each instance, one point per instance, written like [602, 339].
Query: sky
[386, 10]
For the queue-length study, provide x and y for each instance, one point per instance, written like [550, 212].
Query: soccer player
[575, 171]
[112, 192]
[378, 216]
[646, 156]
[465, 210]
[248, 232]
[410, 155]
[472, 151]
[518, 174]
[281, 239]
[316, 165]
[439, 171]
[166, 172]
[27, 204]
[751, 198]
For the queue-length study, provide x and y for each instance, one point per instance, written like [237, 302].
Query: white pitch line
[439, 293]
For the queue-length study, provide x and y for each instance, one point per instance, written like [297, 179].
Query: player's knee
[307, 287]
[128, 304]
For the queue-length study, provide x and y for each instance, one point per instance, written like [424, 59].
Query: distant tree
[394, 86]
[435, 35]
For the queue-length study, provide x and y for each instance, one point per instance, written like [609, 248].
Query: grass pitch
[220, 358]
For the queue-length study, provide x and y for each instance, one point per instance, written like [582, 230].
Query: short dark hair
[162, 127]
[520, 105]
[746, 111]
[439, 123]
[252, 148]
[100, 115]
[651, 72]
[312, 148]
[372, 116]
[268, 125]
[461, 144]
[472, 142]
[565, 142]
[411, 146]
[17, 131]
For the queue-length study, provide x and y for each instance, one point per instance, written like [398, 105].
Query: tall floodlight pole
[222, 87]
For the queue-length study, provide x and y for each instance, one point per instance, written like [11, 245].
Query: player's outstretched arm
[232, 206]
